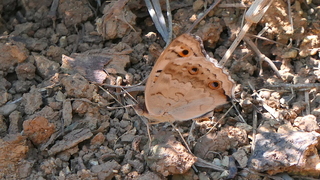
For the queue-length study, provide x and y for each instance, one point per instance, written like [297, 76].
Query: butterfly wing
[186, 43]
[184, 84]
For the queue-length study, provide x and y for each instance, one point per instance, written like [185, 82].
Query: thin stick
[264, 105]
[290, 16]
[53, 10]
[200, 162]
[307, 99]
[254, 127]
[169, 23]
[215, 125]
[111, 95]
[155, 12]
[269, 40]
[294, 86]
[235, 5]
[253, 15]
[204, 15]
[262, 56]
[184, 141]
[240, 116]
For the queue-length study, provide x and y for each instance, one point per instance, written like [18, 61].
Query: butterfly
[185, 83]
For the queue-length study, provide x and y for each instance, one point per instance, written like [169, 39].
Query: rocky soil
[63, 114]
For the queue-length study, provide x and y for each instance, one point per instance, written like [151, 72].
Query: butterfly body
[185, 83]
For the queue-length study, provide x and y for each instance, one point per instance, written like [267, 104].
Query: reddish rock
[98, 139]
[38, 130]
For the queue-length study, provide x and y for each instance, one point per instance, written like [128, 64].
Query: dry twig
[262, 56]
[272, 111]
[253, 15]
[204, 15]
[301, 87]
[307, 100]
[155, 12]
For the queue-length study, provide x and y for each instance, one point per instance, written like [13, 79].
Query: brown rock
[8, 108]
[56, 53]
[62, 29]
[307, 123]
[13, 149]
[286, 128]
[106, 170]
[15, 120]
[45, 67]
[295, 153]
[3, 126]
[11, 55]
[206, 33]
[98, 139]
[67, 113]
[119, 62]
[238, 136]
[149, 175]
[137, 165]
[198, 4]
[89, 66]
[22, 86]
[74, 12]
[38, 130]
[241, 156]
[65, 155]
[80, 107]
[22, 28]
[214, 142]
[4, 95]
[32, 100]
[26, 71]
[25, 168]
[48, 113]
[34, 44]
[117, 20]
[49, 166]
[168, 156]
[70, 140]
[77, 86]
[129, 135]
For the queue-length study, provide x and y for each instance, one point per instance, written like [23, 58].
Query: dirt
[63, 115]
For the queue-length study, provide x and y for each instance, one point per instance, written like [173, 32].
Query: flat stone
[70, 140]
[46, 67]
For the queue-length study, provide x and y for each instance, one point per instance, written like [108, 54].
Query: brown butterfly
[185, 83]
